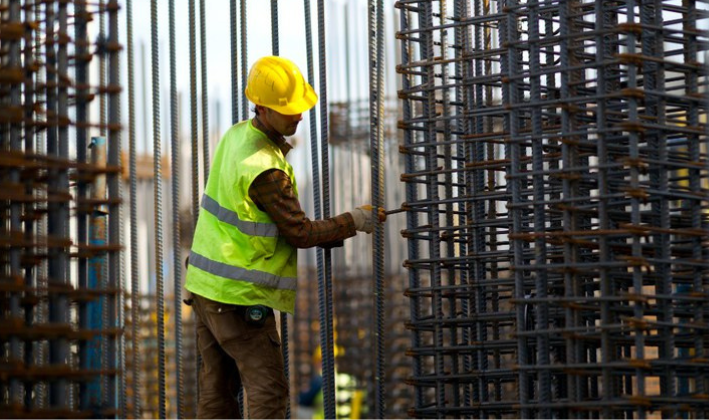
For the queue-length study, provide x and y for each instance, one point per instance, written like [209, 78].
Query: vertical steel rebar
[314, 150]
[121, 286]
[205, 93]
[603, 220]
[194, 116]
[317, 204]
[135, 272]
[653, 74]
[431, 186]
[59, 394]
[157, 191]
[103, 267]
[194, 142]
[42, 281]
[244, 62]
[234, 63]
[327, 368]
[274, 28]
[691, 52]
[540, 247]
[472, 211]
[30, 275]
[327, 344]
[102, 65]
[569, 218]
[113, 181]
[176, 236]
[376, 135]
[82, 80]
[414, 279]
[635, 217]
[16, 389]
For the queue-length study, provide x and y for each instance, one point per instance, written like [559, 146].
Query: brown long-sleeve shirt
[272, 191]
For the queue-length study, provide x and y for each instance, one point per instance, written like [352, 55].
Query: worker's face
[284, 124]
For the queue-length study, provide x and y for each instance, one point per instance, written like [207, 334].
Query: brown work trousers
[233, 353]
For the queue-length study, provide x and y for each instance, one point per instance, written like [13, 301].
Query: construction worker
[243, 264]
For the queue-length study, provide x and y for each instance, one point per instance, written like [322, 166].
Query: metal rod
[426, 19]
[135, 272]
[194, 142]
[103, 278]
[121, 286]
[465, 100]
[326, 343]
[411, 195]
[102, 66]
[244, 62]
[42, 281]
[234, 63]
[115, 233]
[328, 397]
[317, 204]
[157, 191]
[194, 124]
[16, 389]
[30, 274]
[274, 27]
[205, 93]
[58, 219]
[376, 98]
[175, 149]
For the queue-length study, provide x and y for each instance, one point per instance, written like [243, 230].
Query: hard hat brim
[309, 99]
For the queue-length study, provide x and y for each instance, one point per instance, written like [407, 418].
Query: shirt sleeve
[272, 192]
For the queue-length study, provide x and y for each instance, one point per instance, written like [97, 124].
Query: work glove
[363, 220]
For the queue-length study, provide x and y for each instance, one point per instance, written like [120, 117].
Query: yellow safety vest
[237, 255]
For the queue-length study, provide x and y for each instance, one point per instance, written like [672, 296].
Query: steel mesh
[558, 207]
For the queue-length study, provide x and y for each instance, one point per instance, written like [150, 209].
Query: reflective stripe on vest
[238, 273]
[227, 216]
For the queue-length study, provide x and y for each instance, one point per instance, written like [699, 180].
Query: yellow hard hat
[277, 83]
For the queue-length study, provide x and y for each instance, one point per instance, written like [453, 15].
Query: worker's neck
[278, 139]
[263, 125]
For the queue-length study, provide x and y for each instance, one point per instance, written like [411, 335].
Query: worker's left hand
[363, 218]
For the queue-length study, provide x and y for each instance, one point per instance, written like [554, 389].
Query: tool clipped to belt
[257, 314]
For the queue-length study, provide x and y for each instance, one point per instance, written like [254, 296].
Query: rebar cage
[60, 306]
[558, 207]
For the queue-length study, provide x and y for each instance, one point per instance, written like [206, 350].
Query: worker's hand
[363, 220]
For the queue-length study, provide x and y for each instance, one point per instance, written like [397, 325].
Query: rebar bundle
[59, 284]
[558, 207]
